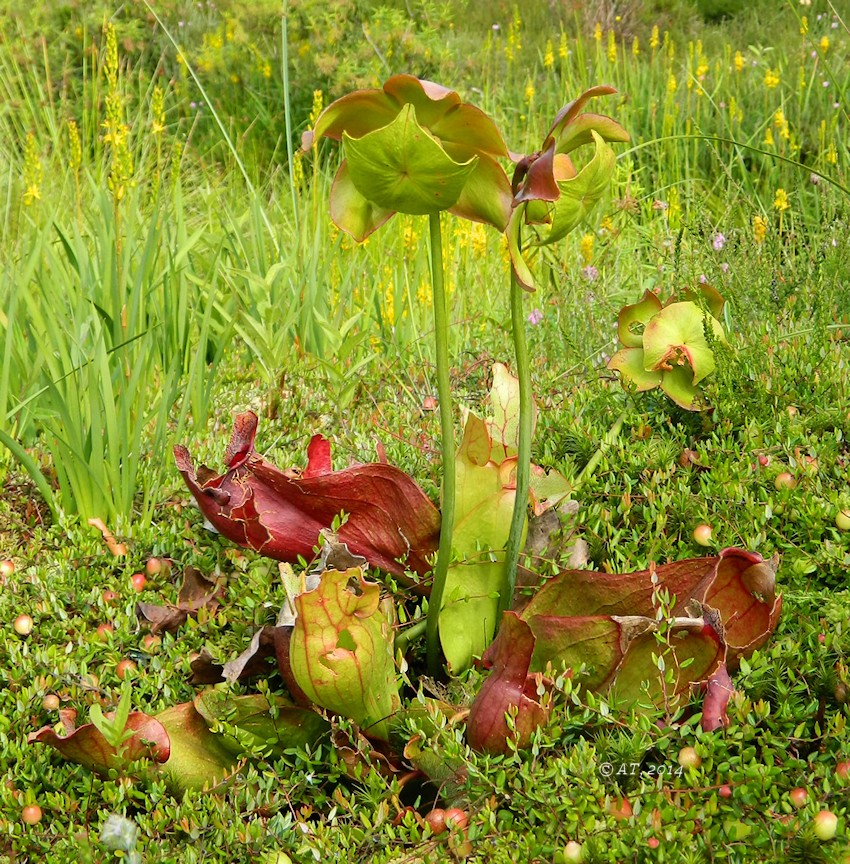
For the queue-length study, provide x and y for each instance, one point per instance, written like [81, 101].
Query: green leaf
[350, 211]
[582, 193]
[341, 650]
[617, 651]
[402, 167]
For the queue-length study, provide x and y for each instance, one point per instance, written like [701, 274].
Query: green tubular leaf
[629, 363]
[351, 212]
[484, 506]
[641, 313]
[503, 424]
[291, 726]
[403, 167]
[582, 193]
[341, 650]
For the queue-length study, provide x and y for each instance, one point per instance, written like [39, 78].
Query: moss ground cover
[156, 282]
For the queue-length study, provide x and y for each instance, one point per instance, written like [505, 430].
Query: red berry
[764, 461]
[31, 814]
[784, 480]
[123, 667]
[155, 566]
[50, 702]
[139, 581]
[456, 818]
[7, 568]
[109, 596]
[620, 809]
[725, 791]
[150, 642]
[104, 631]
[436, 820]
[653, 842]
[798, 797]
[842, 769]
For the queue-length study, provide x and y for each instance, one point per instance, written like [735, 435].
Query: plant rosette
[670, 345]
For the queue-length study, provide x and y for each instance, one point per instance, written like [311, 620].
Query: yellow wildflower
[780, 202]
[318, 106]
[597, 32]
[586, 247]
[768, 137]
[771, 78]
[298, 169]
[549, 55]
[478, 239]
[157, 111]
[781, 123]
[562, 46]
[824, 44]
[635, 47]
[110, 56]
[739, 62]
[33, 172]
[74, 146]
[607, 225]
[759, 228]
[671, 83]
[804, 26]
[612, 46]
[266, 69]
[654, 41]
[529, 91]
[832, 154]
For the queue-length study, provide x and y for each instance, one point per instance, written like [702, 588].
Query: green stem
[447, 446]
[406, 636]
[610, 437]
[523, 465]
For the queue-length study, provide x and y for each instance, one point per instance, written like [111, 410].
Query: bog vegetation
[548, 368]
